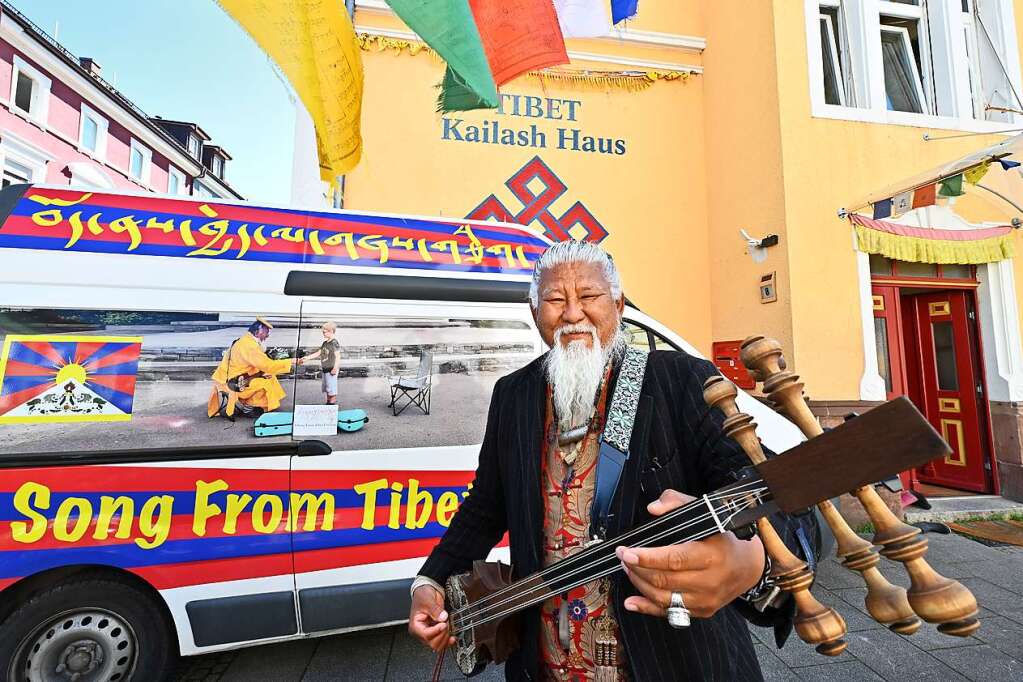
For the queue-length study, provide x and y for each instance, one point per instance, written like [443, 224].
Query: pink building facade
[61, 123]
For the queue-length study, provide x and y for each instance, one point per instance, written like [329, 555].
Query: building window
[888, 58]
[92, 134]
[218, 166]
[175, 181]
[831, 57]
[903, 87]
[30, 91]
[139, 162]
[15, 173]
[193, 146]
[201, 190]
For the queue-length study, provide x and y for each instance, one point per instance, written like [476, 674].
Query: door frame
[970, 286]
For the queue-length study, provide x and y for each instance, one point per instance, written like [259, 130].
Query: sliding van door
[367, 515]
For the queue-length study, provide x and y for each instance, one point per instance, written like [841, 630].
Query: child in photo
[329, 355]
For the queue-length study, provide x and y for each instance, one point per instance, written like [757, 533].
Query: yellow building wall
[744, 171]
[650, 193]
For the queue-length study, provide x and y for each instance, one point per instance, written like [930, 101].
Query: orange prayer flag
[519, 36]
[924, 196]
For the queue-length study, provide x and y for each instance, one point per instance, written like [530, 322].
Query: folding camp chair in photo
[414, 390]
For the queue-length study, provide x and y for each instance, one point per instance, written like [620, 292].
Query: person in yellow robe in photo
[245, 380]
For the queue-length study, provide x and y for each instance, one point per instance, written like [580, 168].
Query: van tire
[102, 626]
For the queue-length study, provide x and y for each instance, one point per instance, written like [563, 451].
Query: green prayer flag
[449, 28]
[952, 187]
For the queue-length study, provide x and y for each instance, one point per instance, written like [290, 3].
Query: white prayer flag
[584, 18]
[902, 202]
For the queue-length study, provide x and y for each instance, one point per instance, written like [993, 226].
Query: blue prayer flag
[1007, 164]
[622, 9]
[882, 209]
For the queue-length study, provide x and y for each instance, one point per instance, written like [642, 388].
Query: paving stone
[410, 661]
[831, 575]
[354, 656]
[928, 638]
[773, 668]
[1003, 634]
[797, 654]
[895, 658]
[855, 619]
[996, 599]
[272, 663]
[982, 664]
[850, 671]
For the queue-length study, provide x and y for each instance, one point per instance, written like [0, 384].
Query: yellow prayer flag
[313, 42]
[974, 175]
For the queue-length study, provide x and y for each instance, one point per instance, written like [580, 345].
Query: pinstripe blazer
[677, 442]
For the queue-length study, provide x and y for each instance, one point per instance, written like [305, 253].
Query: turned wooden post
[815, 623]
[932, 596]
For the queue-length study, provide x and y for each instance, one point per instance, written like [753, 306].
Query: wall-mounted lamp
[757, 248]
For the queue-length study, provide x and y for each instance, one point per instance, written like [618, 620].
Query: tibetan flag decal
[45, 378]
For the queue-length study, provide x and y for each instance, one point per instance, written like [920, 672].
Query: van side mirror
[313, 448]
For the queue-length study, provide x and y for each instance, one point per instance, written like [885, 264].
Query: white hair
[575, 372]
[572, 251]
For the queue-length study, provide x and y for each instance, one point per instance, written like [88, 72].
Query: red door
[949, 389]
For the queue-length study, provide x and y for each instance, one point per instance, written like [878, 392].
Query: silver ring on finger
[678, 614]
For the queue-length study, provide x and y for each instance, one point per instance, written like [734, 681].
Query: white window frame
[25, 154]
[147, 162]
[976, 81]
[173, 172]
[950, 91]
[834, 49]
[39, 106]
[216, 161]
[917, 77]
[198, 146]
[102, 127]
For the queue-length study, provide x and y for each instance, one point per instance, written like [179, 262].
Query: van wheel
[86, 630]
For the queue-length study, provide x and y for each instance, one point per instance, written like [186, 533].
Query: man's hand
[334, 371]
[709, 573]
[428, 621]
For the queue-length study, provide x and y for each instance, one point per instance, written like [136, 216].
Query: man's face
[576, 294]
[262, 333]
[328, 333]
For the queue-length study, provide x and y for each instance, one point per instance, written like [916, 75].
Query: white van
[142, 516]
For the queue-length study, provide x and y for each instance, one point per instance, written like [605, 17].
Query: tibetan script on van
[67, 220]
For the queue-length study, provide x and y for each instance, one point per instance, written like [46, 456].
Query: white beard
[575, 373]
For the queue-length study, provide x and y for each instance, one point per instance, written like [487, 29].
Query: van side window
[646, 339]
[84, 380]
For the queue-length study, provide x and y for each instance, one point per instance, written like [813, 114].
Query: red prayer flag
[519, 36]
[924, 196]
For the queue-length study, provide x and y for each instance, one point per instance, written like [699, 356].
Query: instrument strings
[601, 548]
[479, 612]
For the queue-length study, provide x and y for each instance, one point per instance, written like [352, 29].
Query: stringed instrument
[483, 603]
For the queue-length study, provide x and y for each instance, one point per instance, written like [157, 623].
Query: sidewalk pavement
[994, 654]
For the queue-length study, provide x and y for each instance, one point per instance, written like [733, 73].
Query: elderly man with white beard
[537, 481]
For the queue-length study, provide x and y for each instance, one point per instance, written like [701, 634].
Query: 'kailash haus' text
[496, 131]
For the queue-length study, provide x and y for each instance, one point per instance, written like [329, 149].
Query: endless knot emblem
[536, 205]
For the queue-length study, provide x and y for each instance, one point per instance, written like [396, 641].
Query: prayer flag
[623, 9]
[518, 36]
[924, 196]
[882, 209]
[952, 187]
[1007, 164]
[902, 202]
[449, 28]
[583, 18]
[974, 175]
[314, 44]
